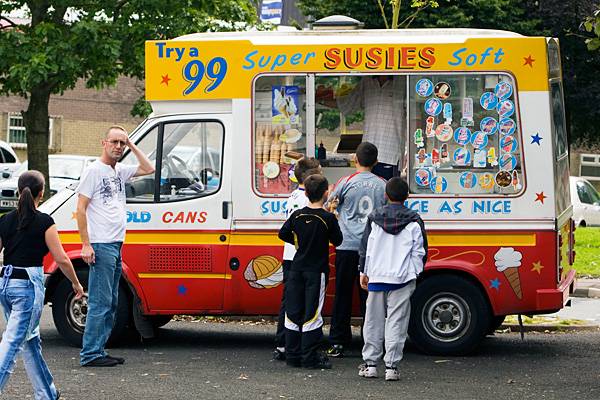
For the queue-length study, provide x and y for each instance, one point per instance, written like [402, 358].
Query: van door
[178, 230]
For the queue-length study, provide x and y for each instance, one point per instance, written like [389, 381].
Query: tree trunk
[37, 126]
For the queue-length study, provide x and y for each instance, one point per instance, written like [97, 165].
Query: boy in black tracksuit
[310, 229]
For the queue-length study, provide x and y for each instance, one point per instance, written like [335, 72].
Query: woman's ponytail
[31, 184]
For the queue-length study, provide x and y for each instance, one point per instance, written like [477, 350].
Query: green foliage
[95, 40]
[592, 25]
[99, 40]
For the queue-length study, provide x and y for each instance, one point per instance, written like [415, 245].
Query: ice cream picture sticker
[503, 179]
[462, 135]
[433, 107]
[461, 157]
[424, 87]
[285, 104]
[503, 90]
[507, 126]
[505, 108]
[439, 184]
[488, 101]
[486, 181]
[271, 170]
[443, 132]
[442, 90]
[423, 177]
[508, 162]
[508, 262]
[479, 140]
[429, 127]
[468, 180]
[508, 144]
[488, 125]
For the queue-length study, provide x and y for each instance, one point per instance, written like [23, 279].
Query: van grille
[8, 193]
[180, 259]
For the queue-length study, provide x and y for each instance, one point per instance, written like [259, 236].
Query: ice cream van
[481, 138]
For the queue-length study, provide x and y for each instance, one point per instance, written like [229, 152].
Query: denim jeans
[103, 292]
[22, 302]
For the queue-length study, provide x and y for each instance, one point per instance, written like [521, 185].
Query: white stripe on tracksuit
[317, 320]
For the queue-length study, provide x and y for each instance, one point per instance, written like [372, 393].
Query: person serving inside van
[382, 98]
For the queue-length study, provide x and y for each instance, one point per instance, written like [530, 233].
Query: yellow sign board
[191, 70]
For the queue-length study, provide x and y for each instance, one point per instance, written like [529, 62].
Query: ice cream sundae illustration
[264, 272]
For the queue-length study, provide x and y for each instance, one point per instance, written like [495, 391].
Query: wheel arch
[55, 275]
[462, 272]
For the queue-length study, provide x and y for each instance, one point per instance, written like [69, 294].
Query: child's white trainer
[367, 371]
[391, 374]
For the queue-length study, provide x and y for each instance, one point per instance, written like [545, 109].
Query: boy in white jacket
[392, 254]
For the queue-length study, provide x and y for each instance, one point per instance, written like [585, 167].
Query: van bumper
[555, 299]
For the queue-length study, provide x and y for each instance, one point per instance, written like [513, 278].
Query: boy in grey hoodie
[393, 252]
[354, 197]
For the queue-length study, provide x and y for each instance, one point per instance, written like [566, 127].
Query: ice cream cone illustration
[508, 262]
[512, 274]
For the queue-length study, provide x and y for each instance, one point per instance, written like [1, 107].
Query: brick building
[78, 118]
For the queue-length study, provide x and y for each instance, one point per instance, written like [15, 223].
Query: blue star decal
[536, 139]
[495, 284]
[182, 290]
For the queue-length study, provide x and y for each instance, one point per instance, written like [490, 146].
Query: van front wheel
[449, 315]
[69, 314]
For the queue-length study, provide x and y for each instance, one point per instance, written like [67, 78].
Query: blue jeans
[22, 302]
[103, 297]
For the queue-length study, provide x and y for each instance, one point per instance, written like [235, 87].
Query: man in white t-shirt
[101, 222]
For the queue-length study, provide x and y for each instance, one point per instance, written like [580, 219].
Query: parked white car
[586, 202]
[9, 161]
[64, 170]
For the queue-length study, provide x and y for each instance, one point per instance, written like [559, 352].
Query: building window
[590, 166]
[17, 134]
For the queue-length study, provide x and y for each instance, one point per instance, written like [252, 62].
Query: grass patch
[587, 247]
[540, 320]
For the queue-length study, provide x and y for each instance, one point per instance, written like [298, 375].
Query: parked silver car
[64, 170]
[9, 161]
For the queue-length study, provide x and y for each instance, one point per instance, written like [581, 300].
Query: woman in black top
[27, 235]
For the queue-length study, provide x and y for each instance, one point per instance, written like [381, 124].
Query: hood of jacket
[393, 218]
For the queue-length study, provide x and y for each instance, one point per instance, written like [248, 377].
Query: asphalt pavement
[208, 360]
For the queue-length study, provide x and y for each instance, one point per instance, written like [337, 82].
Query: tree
[97, 40]
[592, 25]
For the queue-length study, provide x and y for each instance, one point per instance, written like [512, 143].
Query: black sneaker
[322, 362]
[119, 360]
[278, 355]
[102, 362]
[337, 351]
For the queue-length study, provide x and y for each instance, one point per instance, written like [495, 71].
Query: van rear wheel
[449, 315]
[69, 314]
